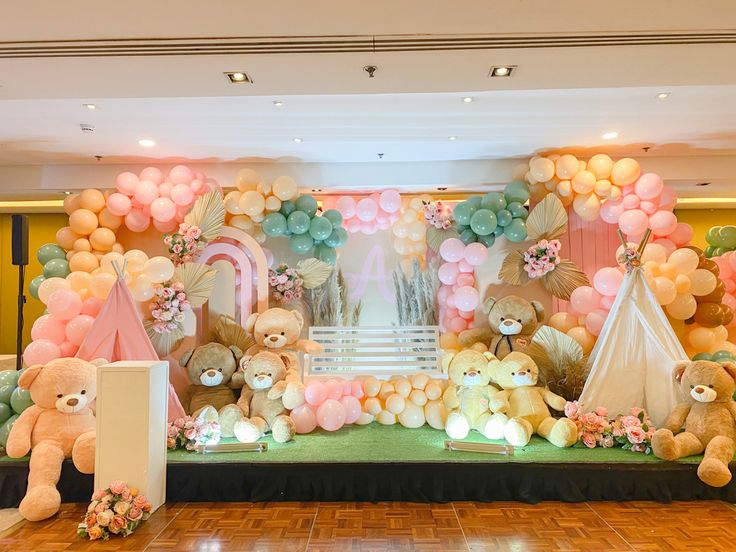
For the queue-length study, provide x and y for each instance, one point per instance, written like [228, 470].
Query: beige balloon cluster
[253, 200]
[410, 401]
[577, 183]
[410, 231]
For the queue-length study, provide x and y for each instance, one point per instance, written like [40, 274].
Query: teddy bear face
[512, 315]
[264, 369]
[469, 368]
[515, 370]
[705, 381]
[211, 364]
[276, 328]
[66, 384]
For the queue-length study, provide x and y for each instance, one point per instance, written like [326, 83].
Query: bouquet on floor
[594, 428]
[189, 433]
[117, 510]
[632, 431]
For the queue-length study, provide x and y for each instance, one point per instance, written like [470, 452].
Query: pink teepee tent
[118, 334]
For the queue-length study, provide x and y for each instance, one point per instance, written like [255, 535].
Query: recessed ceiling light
[298, 140]
[467, 99]
[91, 107]
[502, 70]
[278, 103]
[238, 77]
[663, 95]
[609, 135]
[452, 138]
[146, 142]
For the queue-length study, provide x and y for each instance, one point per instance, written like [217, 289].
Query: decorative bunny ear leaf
[228, 332]
[512, 269]
[548, 220]
[208, 213]
[435, 237]
[562, 364]
[313, 272]
[198, 280]
[564, 279]
[166, 342]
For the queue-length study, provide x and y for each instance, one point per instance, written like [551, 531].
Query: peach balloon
[683, 306]
[600, 165]
[72, 202]
[664, 290]
[588, 206]
[542, 169]
[684, 261]
[625, 171]
[564, 189]
[84, 261]
[563, 321]
[583, 182]
[583, 337]
[92, 199]
[83, 221]
[66, 237]
[49, 286]
[102, 239]
[566, 167]
[82, 244]
[108, 220]
[101, 284]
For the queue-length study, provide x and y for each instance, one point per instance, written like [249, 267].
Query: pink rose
[135, 513]
[122, 507]
[190, 433]
[100, 507]
[118, 523]
[601, 411]
[589, 440]
[635, 435]
[630, 421]
[92, 506]
[117, 486]
[104, 518]
[140, 501]
[572, 409]
[97, 495]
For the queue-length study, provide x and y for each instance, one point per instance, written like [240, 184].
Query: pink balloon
[390, 201]
[315, 393]
[447, 273]
[729, 300]
[126, 182]
[181, 194]
[663, 223]
[452, 250]
[668, 199]
[163, 209]
[393, 217]
[197, 186]
[137, 220]
[356, 389]
[331, 415]
[607, 302]
[442, 294]
[334, 388]
[585, 299]
[351, 405]
[67, 349]
[118, 204]
[383, 224]
[353, 225]
[457, 324]
[366, 210]
[368, 227]
[649, 207]
[181, 174]
[452, 312]
[165, 227]
[627, 190]
[476, 253]
[78, 328]
[682, 234]
[450, 303]
[631, 202]
[330, 202]
[633, 222]
[465, 267]
[467, 298]
[152, 174]
[145, 192]
[92, 306]
[729, 286]
[64, 304]
[595, 320]
[465, 279]
[667, 243]
[48, 327]
[649, 186]
[607, 281]
[611, 211]
[164, 189]
[467, 315]
[40, 351]
[346, 205]
[304, 419]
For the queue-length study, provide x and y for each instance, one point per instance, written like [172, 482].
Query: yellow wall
[703, 219]
[41, 229]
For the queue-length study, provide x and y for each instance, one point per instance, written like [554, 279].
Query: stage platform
[377, 463]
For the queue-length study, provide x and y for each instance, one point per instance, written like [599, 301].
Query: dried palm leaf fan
[228, 332]
[562, 365]
[208, 213]
[313, 272]
[547, 221]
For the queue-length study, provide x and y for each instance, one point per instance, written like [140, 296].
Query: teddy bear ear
[730, 369]
[186, 357]
[679, 370]
[489, 356]
[29, 375]
[299, 318]
[245, 360]
[237, 353]
[488, 304]
[250, 323]
[446, 360]
[286, 359]
[539, 309]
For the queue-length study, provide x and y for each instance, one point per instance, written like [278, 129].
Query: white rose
[104, 518]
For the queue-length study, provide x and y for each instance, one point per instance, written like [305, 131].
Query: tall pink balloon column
[457, 297]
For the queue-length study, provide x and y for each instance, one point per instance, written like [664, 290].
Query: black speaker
[20, 240]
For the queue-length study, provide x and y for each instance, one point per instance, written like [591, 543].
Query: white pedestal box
[132, 403]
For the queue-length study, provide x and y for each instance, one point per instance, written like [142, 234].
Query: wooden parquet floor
[707, 526]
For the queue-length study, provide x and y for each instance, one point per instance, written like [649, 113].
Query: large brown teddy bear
[524, 409]
[279, 330]
[512, 322]
[211, 394]
[59, 425]
[262, 398]
[708, 417]
[470, 397]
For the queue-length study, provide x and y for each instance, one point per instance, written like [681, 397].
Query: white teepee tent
[633, 360]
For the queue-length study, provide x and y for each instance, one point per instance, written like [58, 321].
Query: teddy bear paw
[40, 502]
[517, 433]
[564, 433]
[246, 431]
[283, 429]
[293, 396]
[206, 414]
[664, 445]
[229, 415]
[713, 472]
[457, 426]
[494, 426]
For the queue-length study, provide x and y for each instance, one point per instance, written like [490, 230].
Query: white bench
[376, 351]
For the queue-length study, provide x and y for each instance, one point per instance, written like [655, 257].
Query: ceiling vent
[87, 127]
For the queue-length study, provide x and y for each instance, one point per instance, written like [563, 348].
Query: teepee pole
[621, 237]
[644, 241]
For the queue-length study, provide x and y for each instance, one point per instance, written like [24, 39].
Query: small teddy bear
[470, 395]
[211, 395]
[60, 424]
[524, 409]
[262, 398]
[708, 417]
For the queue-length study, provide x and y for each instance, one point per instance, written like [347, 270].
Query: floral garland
[168, 307]
[189, 433]
[286, 284]
[633, 431]
[437, 215]
[117, 510]
[542, 258]
[186, 244]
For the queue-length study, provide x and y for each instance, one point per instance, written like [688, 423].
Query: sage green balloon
[320, 228]
[462, 213]
[274, 224]
[326, 254]
[49, 251]
[467, 236]
[483, 222]
[516, 231]
[727, 237]
[475, 202]
[493, 201]
[702, 356]
[33, 286]
[307, 204]
[504, 217]
[517, 210]
[298, 222]
[5, 429]
[488, 241]
[709, 251]
[287, 207]
[5, 412]
[301, 243]
[498, 232]
[6, 391]
[711, 236]
[20, 400]
[721, 355]
[333, 240]
[56, 268]
[9, 377]
[343, 234]
[334, 216]
[516, 191]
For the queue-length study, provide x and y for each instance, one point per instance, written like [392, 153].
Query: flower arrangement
[189, 433]
[185, 244]
[168, 307]
[542, 258]
[286, 284]
[630, 258]
[437, 215]
[117, 510]
[633, 431]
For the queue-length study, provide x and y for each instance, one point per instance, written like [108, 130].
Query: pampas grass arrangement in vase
[416, 295]
[328, 305]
